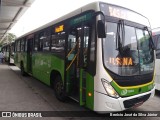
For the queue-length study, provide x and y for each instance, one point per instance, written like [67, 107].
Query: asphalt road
[20, 93]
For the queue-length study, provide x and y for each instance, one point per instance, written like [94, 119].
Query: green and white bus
[5, 50]
[100, 55]
[8, 51]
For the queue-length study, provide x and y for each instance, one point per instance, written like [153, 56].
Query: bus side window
[18, 46]
[41, 37]
[15, 46]
[58, 43]
[22, 45]
[36, 43]
[46, 41]
[71, 45]
[25, 45]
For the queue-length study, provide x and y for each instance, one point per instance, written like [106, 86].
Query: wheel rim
[59, 88]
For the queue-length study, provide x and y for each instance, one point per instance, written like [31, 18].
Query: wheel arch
[53, 75]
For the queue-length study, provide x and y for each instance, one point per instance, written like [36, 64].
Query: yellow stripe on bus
[133, 86]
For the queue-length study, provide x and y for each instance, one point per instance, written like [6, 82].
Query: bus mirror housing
[101, 29]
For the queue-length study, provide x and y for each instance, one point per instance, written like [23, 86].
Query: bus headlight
[109, 89]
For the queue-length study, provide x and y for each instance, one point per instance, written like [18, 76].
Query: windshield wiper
[120, 36]
[151, 43]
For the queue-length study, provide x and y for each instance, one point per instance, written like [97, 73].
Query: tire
[23, 73]
[59, 89]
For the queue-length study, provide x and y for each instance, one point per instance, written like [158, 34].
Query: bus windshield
[130, 55]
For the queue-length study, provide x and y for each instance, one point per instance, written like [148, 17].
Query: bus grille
[133, 102]
[131, 80]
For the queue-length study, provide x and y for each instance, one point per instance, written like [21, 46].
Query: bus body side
[156, 39]
[47, 63]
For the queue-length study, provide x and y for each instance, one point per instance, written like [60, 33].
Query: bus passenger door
[77, 63]
[83, 62]
[29, 54]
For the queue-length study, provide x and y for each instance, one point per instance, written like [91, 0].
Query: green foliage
[10, 37]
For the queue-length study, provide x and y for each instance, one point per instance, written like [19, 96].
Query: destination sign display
[59, 28]
[123, 13]
[124, 61]
[81, 18]
[116, 12]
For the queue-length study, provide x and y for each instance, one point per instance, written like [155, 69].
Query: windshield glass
[135, 56]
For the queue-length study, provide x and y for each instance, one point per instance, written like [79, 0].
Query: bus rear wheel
[23, 73]
[59, 89]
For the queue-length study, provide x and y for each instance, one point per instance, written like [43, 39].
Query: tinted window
[18, 45]
[46, 41]
[36, 43]
[22, 45]
[58, 42]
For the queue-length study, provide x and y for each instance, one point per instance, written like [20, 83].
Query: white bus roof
[91, 6]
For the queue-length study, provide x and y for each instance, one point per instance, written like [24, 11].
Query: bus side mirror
[101, 29]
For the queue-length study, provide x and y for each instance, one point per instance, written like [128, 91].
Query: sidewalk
[16, 95]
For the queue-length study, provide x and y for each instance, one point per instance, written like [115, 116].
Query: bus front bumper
[106, 104]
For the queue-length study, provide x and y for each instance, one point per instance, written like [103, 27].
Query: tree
[10, 37]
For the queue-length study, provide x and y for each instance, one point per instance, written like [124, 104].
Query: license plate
[138, 104]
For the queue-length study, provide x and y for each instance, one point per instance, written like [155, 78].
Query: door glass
[71, 45]
[86, 40]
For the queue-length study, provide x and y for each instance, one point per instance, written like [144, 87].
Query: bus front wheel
[59, 89]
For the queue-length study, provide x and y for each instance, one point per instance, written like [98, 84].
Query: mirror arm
[101, 25]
